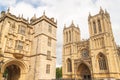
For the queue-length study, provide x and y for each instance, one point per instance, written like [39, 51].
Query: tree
[58, 72]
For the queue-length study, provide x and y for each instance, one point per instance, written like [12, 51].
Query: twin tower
[95, 58]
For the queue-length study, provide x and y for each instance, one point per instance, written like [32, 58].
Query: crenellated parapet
[71, 26]
[35, 20]
[13, 17]
[102, 13]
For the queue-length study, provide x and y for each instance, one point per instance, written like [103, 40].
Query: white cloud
[67, 10]
[23, 8]
[7, 2]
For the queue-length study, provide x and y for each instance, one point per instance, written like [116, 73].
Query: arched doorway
[12, 72]
[83, 72]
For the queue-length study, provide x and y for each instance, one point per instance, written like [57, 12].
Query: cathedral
[27, 47]
[96, 58]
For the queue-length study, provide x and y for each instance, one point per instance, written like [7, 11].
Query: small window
[49, 41]
[48, 68]
[12, 28]
[19, 45]
[50, 29]
[27, 47]
[10, 43]
[29, 33]
[21, 30]
[48, 55]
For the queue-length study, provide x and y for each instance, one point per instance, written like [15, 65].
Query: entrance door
[12, 72]
[87, 77]
[84, 72]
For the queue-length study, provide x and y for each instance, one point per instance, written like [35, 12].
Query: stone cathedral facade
[27, 48]
[97, 58]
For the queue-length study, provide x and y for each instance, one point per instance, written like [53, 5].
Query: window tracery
[99, 26]
[102, 62]
[94, 27]
[69, 65]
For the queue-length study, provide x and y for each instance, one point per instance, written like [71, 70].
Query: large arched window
[99, 26]
[102, 62]
[69, 65]
[94, 27]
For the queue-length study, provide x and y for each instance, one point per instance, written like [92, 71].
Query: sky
[66, 11]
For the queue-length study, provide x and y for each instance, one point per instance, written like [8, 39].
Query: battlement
[35, 20]
[7, 14]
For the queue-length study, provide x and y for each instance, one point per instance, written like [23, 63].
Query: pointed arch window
[66, 37]
[69, 65]
[94, 27]
[70, 35]
[102, 62]
[99, 26]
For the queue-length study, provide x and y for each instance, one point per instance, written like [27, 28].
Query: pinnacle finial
[101, 10]
[64, 25]
[34, 15]
[8, 10]
[44, 12]
[56, 21]
[106, 11]
[89, 14]
[78, 27]
[19, 16]
[22, 16]
[27, 18]
[72, 22]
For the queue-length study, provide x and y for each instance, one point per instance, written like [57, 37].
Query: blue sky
[65, 11]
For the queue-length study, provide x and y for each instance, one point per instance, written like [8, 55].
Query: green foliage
[5, 73]
[58, 72]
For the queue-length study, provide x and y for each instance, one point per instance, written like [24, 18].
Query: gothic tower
[71, 35]
[102, 47]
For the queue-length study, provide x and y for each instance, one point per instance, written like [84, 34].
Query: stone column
[0, 76]
[75, 71]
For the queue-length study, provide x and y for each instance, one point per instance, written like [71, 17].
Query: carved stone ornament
[18, 56]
